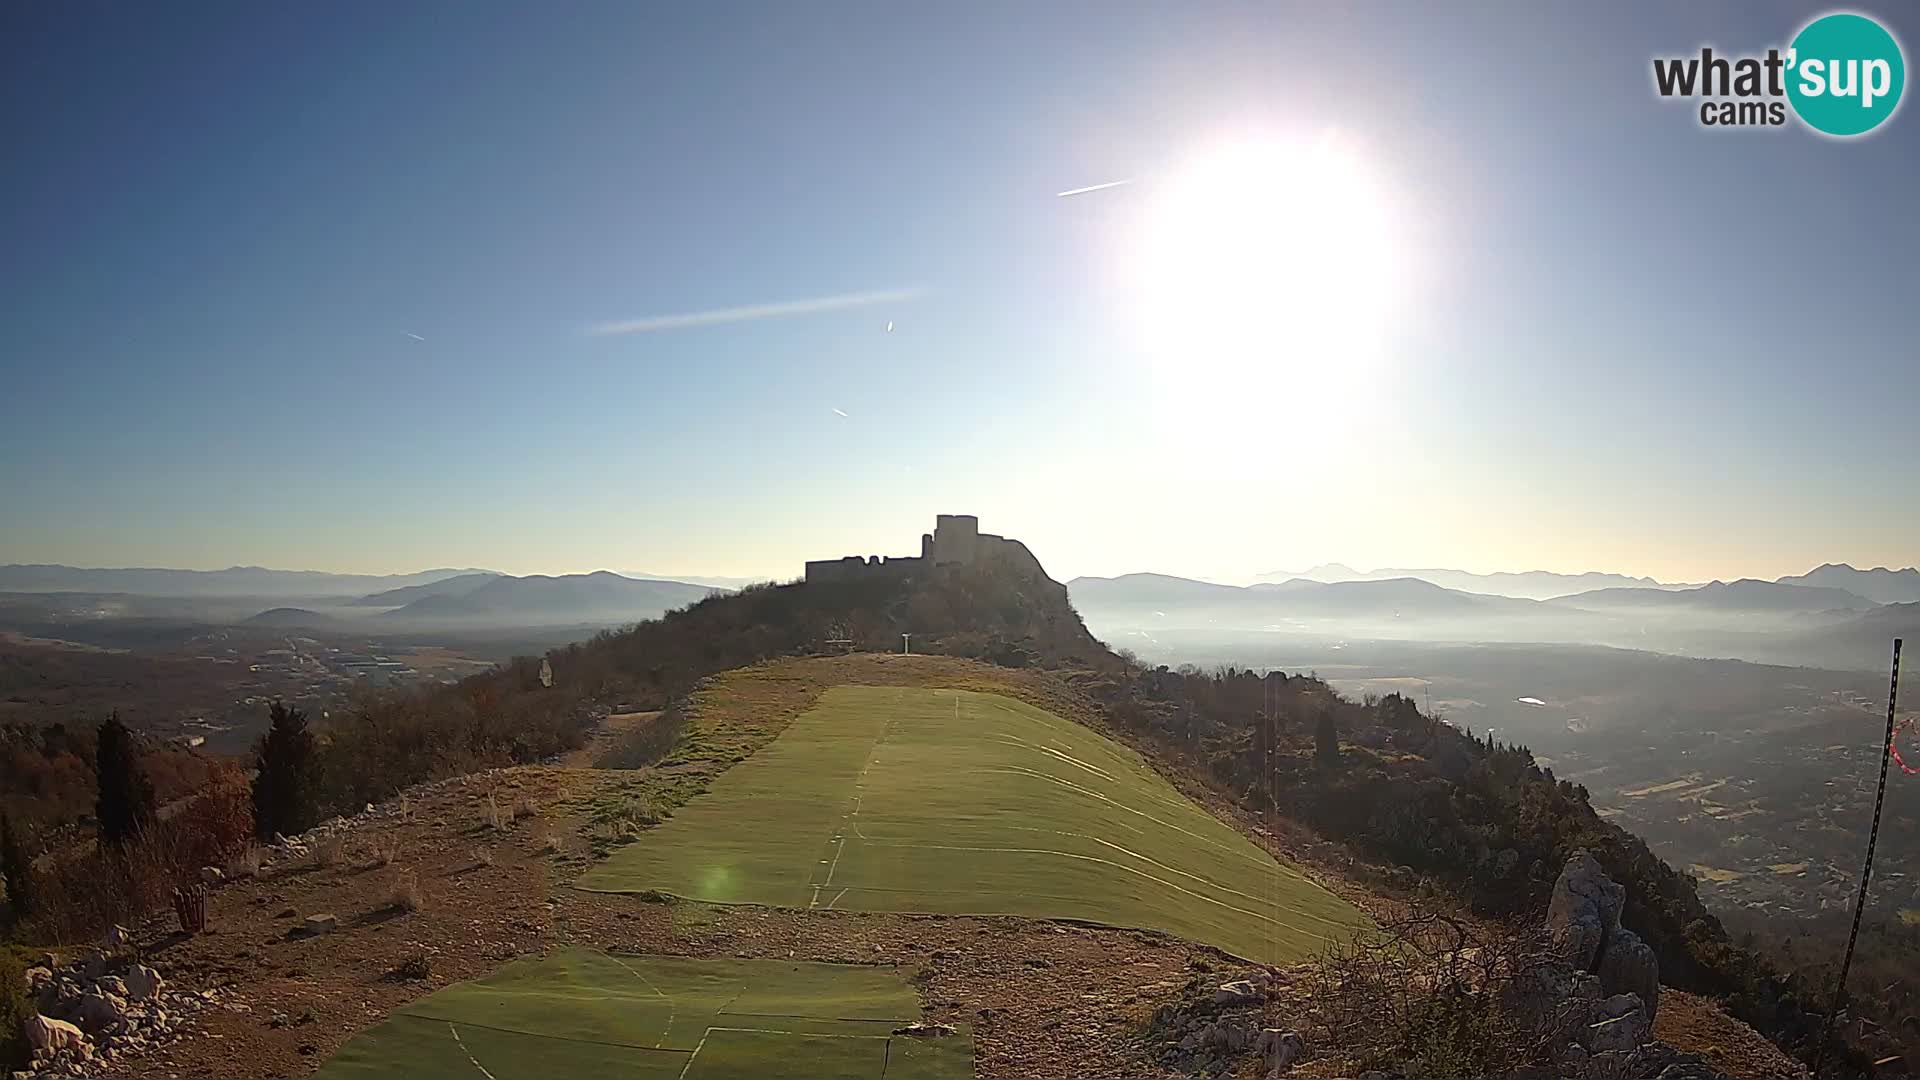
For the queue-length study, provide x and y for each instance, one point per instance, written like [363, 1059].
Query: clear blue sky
[1626, 343]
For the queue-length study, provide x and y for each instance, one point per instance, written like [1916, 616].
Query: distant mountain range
[540, 600]
[1166, 597]
[453, 586]
[1414, 597]
[233, 581]
[1863, 641]
[1746, 594]
[1528, 585]
[1880, 585]
[728, 583]
[1766, 621]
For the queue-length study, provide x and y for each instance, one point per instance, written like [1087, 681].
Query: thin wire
[1866, 871]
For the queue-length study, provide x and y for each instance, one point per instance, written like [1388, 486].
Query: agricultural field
[580, 1012]
[916, 799]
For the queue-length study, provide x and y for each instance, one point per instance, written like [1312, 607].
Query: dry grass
[246, 865]
[327, 852]
[492, 817]
[483, 856]
[524, 807]
[384, 851]
[548, 841]
[406, 894]
[413, 968]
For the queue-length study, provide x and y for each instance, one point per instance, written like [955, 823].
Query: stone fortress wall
[955, 539]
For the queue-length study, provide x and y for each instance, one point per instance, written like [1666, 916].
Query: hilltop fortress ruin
[956, 539]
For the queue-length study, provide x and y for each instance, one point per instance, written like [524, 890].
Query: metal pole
[1866, 871]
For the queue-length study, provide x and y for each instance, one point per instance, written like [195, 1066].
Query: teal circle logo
[1845, 74]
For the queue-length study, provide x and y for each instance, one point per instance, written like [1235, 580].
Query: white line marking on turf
[836, 899]
[695, 1056]
[668, 1030]
[797, 1034]
[1123, 868]
[852, 820]
[463, 1049]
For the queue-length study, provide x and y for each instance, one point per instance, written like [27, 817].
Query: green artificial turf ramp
[583, 1013]
[950, 801]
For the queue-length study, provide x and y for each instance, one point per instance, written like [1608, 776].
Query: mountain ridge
[1521, 585]
[1879, 584]
[232, 581]
[549, 599]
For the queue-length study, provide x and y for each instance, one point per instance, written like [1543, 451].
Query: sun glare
[1268, 265]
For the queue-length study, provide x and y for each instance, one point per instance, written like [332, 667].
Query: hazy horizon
[704, 576]
[482, 287]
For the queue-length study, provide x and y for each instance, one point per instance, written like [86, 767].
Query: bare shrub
[406, 894]
[483, 856]
[327, 852]
[524, 807]
[78, 895]
[1434, 994]
[492, 817]
[415, 967]
[383, 851]
[246, 865]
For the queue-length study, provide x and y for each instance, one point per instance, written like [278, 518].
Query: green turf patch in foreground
[579, 1013]
[949, 801]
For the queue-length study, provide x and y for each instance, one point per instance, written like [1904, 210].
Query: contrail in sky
[416, 337]
[750, 312]
[839, 413]
[1091, 187]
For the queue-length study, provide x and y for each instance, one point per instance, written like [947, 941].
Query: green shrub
[14, 1009]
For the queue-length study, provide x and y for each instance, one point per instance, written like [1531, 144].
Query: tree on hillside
[17, 869]
[125, 804]
[286, 796]
[1326, 736]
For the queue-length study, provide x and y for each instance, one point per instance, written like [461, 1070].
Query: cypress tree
[285, 799]
[125, 804]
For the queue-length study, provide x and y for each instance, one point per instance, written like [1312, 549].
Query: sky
[371, 287]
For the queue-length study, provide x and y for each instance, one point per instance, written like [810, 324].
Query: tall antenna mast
[1866, 871]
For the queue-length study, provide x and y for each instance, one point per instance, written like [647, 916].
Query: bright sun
[1269, 265]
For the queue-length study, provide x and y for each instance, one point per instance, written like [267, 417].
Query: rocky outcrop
[1628, 966]
[142, 982]
[1583, 920]
[1238, 992]
[1214, 1025]
[1279, 1050]
[49, 1036]
[92, 1010]
[1584, 910]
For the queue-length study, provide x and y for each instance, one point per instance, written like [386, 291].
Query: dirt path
[606, 737]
